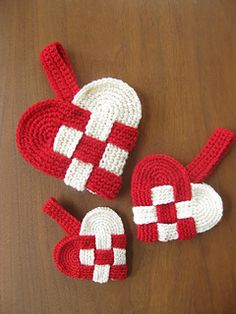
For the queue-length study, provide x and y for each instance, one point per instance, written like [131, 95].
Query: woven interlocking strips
[83, 136]
[171, 201]
[94, 249]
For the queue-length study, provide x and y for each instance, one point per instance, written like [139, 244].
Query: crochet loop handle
[211, 154]
[57, 67]
[68, 223]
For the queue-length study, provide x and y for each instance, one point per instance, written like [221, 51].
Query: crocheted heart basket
[94, 249]
[82, 136]
[171, 201]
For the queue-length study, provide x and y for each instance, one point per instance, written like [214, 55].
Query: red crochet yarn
[90, 250]
[83, 137]
[59, 72]
[170, 201]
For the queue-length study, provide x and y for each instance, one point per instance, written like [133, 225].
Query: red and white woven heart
[170, 201]
[82, 136]
[94, 249]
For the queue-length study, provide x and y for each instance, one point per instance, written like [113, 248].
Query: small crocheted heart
[171, 201]
[82, 136]
[94, 249]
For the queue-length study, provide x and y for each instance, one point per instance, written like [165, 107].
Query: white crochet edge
[112, 98]
[102, 222]
[206, 207]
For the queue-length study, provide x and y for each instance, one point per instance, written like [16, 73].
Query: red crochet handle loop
[68, 223]
[57, 67]
[211, 154]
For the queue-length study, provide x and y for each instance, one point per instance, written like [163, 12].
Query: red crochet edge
[58, 69]
[39, 125]
[66, 251]
[171, 172]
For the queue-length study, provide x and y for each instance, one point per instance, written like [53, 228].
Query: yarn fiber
[83, 136]
[94, 249]
[170, 201]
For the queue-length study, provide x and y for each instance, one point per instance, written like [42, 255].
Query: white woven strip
[144, 214]
[119, 256]
[162, 194]
[184, 209]
[77, 174]
[102, 222]
[124, 104]
[114, 159]
[167, 232]
[66, 140]
[207, 206]
[101, 122]
[87, 257]
[101, 273]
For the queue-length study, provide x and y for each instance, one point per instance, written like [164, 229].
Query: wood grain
[180, 57]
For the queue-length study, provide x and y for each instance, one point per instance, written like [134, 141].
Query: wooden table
[180, 58]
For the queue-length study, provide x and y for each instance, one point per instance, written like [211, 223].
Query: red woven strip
[68, 223]
[59, 72]
[75, 117]
[166, 213]
[118, 272]
[86, 272]
[156, 170]
[210, 155]
[186, 228]
[104, 183]
[104, 257]
[86, 242]
[90, 150]
[147, 233]
[119, 241]
[123, 136]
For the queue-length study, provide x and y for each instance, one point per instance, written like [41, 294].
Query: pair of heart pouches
[84, 136]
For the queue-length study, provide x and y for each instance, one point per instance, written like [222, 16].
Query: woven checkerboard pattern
[92, 250]
[83, 136]
[167, 204]
[99, 145]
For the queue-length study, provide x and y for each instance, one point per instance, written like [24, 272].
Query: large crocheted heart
[170, 201]
[83, 137]
[94, 249]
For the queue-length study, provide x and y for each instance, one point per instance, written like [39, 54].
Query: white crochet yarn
[66, 140]
[167, 232]
[184, 209]
[109, 100]
[77, 174]
[87, 257]
[205, 207]
[111, 93]
[144, 214]
[162, 194]
[102, 222]
[114, 159]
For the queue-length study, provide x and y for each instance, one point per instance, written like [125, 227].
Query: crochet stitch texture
[171, 201]
[94, 249]
[82, 136]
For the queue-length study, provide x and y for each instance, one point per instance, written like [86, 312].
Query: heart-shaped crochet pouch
[82, 136]
[171, 201]
[94, 249]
